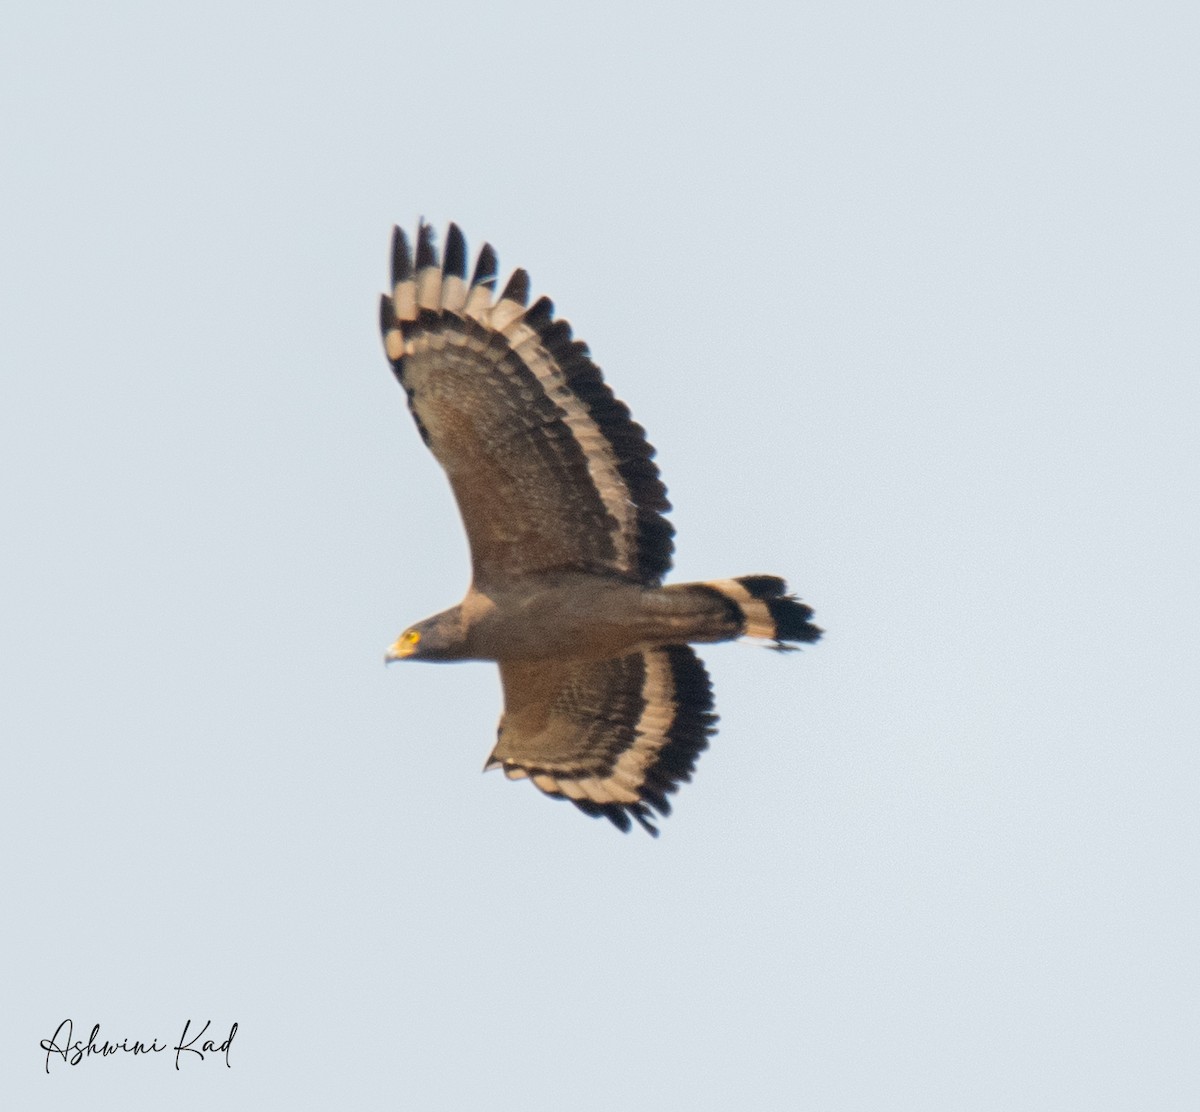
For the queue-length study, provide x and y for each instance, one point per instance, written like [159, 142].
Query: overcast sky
[906, 297]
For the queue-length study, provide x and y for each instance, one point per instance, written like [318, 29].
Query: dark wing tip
[456, 253]
[540, 316]
[426, 248]
[620, 814]
[518, 288]
[402, 266]
[643, 814]
[486, 268]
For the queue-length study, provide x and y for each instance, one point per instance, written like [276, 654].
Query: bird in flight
[605, 702]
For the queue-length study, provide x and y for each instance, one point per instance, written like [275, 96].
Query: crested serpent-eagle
[605, 703]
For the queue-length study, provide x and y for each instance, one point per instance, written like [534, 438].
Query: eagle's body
[580, 617]
[605, 704]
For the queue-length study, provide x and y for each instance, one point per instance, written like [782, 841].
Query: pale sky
[906, 297]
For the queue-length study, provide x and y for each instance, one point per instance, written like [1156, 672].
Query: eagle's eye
[410, 637]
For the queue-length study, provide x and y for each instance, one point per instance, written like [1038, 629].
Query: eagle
[605, 702]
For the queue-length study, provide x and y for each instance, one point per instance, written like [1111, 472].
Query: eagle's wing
[549, 470]
[612, 736]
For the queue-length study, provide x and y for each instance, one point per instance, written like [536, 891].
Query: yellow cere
[405, 645]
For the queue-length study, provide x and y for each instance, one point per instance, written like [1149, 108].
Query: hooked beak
[398, 651]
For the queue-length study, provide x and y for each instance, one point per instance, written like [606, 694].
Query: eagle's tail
[751, 606]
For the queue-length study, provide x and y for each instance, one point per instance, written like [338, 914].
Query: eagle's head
[436, 638]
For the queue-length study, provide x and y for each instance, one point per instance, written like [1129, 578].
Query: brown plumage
[605, 703]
